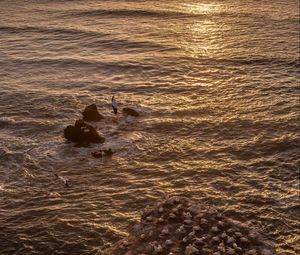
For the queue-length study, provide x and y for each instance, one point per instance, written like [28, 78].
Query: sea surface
[217, 84]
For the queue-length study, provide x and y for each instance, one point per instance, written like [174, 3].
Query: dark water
[217, 83]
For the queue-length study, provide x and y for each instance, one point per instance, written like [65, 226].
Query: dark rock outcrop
[131, 112]
[82, 134]
[91, 113]
[180, 226]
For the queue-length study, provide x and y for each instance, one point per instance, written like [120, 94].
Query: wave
[239, 62]
[27, 125]
[90, 38]
[131, 13]
[263, 61]
[126, 44]
[265, 148]
[169, 14]
[150, 64]
[78, 63]
[52, 30]
[104, 40]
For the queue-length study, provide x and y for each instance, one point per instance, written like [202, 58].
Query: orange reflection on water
[200, 8]
[199, 36]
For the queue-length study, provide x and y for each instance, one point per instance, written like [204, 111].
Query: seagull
[65, 181]
[114, 104]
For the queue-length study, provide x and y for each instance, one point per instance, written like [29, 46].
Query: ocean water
[217, 84]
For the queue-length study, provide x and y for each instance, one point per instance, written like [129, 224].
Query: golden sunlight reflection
[207, 109]
[115, 230]
[200, 8]
[199, 36]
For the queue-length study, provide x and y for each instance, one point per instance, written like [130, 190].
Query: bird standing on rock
[114, 104]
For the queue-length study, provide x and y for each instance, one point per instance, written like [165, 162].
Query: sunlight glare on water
[217, 87]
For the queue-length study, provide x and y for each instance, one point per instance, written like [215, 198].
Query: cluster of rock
[83, 134]
[179, 226]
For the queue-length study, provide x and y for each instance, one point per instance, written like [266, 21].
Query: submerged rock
[91, 113]
[193, 229]
[102, 153]
[82, 134]
[131, 112]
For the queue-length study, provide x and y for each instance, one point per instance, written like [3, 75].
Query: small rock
[101, 153]
[91, 113]
[97, 154]
[131, 112]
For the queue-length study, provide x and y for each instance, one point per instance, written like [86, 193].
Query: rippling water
[217, 83]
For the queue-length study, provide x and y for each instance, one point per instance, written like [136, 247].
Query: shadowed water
[216, 82]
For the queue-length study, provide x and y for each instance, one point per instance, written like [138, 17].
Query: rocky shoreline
[180, 226]
[176, 225]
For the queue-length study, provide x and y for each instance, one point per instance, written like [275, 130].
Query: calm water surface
[217, 83]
